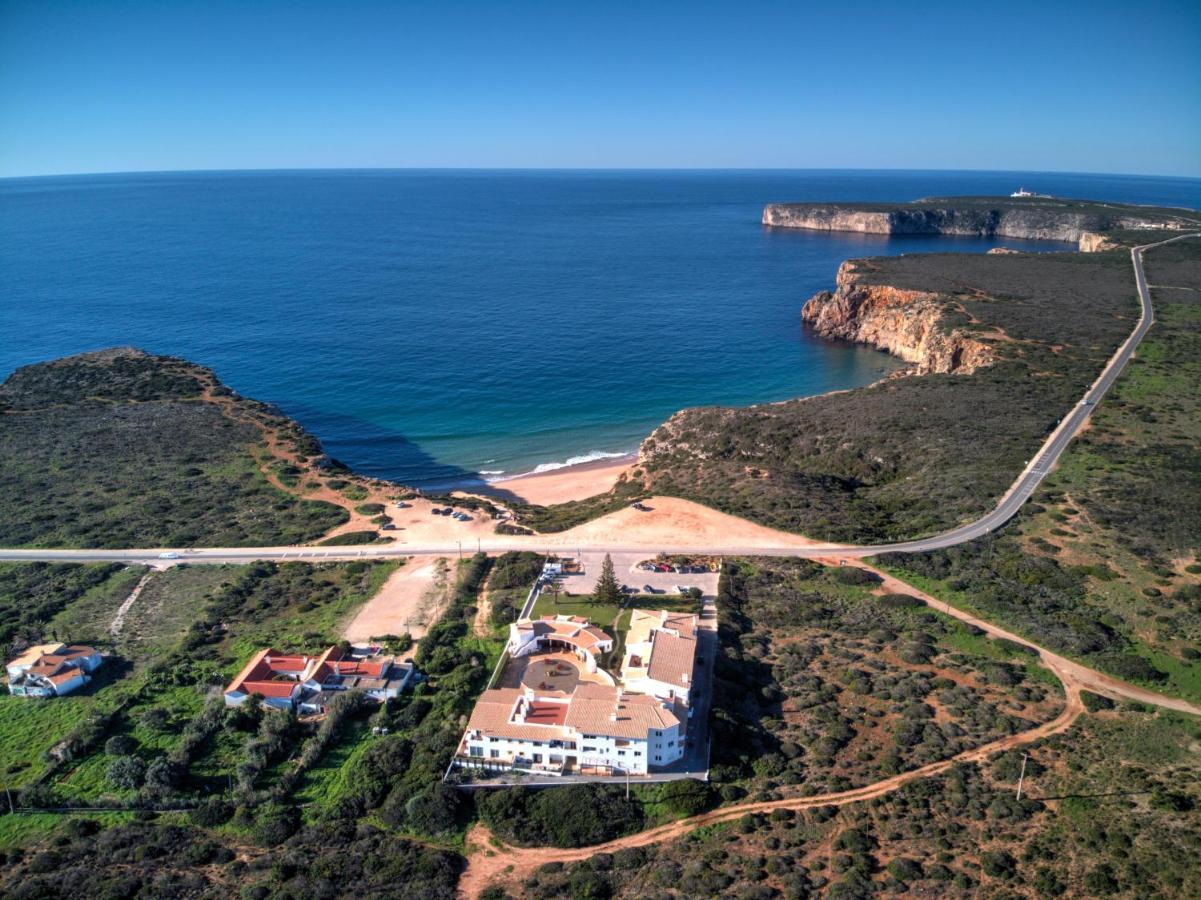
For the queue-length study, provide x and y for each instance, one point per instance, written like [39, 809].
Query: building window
[475, 751]
[495, 754]
[658, 757]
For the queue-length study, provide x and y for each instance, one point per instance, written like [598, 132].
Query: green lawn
[30, 726]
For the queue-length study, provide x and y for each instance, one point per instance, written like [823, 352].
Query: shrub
[900, 601]
[855, 575]
[127, 772]
[120, 745]
[1095, 702]
[685, 797]
[438, 809]
[276, 823]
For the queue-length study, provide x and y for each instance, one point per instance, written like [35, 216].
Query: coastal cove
[436, 327]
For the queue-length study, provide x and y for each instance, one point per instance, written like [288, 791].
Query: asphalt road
[1021, 490]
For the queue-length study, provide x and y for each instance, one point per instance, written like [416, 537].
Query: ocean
[436, 327]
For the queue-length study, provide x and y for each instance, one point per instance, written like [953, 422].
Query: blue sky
[126, 85]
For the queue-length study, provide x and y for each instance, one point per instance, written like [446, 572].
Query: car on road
[169, 555]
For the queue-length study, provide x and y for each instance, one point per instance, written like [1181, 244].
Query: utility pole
[1022, 777]
[627, 785]
[460, 543]
[8, 793]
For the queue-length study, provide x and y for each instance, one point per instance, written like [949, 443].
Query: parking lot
[625, 567]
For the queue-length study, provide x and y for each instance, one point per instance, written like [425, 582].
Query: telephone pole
[1022, 777]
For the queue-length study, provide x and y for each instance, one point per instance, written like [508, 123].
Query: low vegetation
[1102, 565]
[914, 455]
[123, 449]
[1109, 809]
[822, 686]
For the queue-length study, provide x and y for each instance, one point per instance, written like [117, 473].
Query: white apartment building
[593, 728]
[660, 655]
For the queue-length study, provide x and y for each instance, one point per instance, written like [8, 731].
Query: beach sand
[561, 485]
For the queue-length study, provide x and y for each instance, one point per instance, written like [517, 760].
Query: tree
[607, 590]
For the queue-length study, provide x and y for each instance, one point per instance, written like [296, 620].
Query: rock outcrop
[1032, 220]
[905, 323]
[1091, 242]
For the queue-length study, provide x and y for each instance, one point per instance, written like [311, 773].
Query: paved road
[1025, 485]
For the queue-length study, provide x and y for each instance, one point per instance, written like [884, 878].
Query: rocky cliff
[906, 323]
[1049, 219]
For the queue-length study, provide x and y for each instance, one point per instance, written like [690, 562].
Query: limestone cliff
[906, 323]
[1042, 219]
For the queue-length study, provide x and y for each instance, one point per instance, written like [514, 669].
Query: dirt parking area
[411, 600]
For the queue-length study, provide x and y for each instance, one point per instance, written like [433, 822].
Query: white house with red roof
[307, 683]
[51, 670]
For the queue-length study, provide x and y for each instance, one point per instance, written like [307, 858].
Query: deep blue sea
[434, 326]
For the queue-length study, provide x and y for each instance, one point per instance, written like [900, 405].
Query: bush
[685, 797]
[1095, 702]
[900, 601]
[854, 575]
[1134, 668]
[212, 812]
[276, 823]
[127, 772]
[120, 745]
[438, 809]
[998, 864]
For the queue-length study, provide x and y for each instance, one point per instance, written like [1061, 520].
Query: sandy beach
[562, 485]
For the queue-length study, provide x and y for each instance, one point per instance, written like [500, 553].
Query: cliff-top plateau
[1081, 222]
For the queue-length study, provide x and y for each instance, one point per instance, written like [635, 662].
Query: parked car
[647, 589]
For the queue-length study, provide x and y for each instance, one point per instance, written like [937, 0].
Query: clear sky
[125, 85]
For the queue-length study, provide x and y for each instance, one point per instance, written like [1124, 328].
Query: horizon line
[731, 169]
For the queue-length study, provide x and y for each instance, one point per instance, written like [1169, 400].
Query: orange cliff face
[905, 323]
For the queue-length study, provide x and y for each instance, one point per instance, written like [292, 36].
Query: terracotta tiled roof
[250, 670]
[495, 711]
[573, 630]
[271, 688]
[672, 659]
[599, 709]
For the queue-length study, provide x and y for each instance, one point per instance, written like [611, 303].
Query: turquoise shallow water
[439, 326]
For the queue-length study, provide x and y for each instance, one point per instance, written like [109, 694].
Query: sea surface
[436, 327]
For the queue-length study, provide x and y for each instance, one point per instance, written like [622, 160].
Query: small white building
[51, 670]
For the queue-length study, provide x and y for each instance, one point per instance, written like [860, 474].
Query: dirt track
[488, 862]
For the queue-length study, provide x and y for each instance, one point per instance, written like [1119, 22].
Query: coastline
[575, 481]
